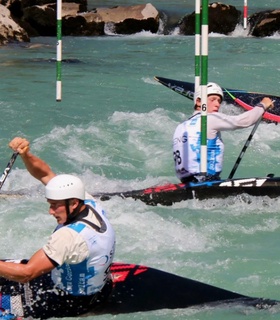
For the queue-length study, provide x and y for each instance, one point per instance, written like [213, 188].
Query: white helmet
[65, 186]
[212, 88]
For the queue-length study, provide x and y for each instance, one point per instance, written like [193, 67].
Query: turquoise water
[114, 129]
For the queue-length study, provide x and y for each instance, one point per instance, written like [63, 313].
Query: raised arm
[38, 168]
[221, 122]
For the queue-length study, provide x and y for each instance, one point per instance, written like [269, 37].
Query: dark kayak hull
[171, 193]
[136, 288]
[249, 99]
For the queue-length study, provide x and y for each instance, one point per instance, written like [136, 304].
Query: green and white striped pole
[58, 49]
[204, 81]
[197, 44]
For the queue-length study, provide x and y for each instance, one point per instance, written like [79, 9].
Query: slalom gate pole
[58, 49]
[197, 44]
[204, 81]
[245, 15]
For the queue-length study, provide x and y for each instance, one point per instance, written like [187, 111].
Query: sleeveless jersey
[186, 149]
[89, 276]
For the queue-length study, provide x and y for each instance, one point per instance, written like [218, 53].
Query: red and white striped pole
[245, 14]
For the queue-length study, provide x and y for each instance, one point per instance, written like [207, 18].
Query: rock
[41, 20]
[82, 25]
[17, 6]
[119, 14]
[10, 31]
[265, 23]
[222, 19]
[128, 20]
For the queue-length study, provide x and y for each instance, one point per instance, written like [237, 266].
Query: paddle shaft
[244, 148]
[8, 169]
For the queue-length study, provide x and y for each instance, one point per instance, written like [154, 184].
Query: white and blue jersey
[186, 149]
[83, 251]
[186, 141]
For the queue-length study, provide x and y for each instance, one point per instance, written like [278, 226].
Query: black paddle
[8, 169]
[244, 148]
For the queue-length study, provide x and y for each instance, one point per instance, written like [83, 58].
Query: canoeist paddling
[78, 254]
[186, 139]
[239, 97]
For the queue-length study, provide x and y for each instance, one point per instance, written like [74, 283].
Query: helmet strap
[72, 216]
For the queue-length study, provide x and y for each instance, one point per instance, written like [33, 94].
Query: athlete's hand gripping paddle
[246, 146]
[8, 169]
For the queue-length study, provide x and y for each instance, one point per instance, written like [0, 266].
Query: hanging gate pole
[204, 82]
[58, 50]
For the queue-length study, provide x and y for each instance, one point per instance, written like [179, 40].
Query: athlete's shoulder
[90, 201]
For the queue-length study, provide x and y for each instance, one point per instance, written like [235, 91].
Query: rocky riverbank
[21, 20]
